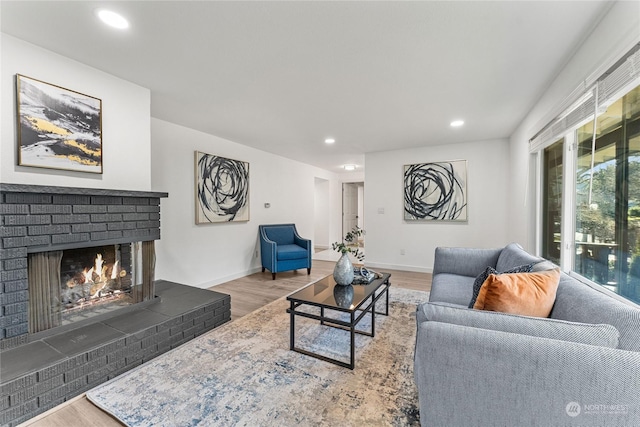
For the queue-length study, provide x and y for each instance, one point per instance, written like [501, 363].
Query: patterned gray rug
[243, 374]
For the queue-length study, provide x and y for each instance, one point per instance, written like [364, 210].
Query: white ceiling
[283, 76]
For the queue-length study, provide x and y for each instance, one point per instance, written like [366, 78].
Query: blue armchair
[282, 249]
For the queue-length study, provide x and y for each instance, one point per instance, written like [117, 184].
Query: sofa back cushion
[600, 335]
[464, 261]
[451, 288]
[513, 255]
[578, 302]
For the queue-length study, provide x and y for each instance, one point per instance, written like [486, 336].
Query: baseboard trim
[373, 265]
[225, 279]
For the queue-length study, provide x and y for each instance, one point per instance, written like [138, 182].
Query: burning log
[71, 296]
[97, 288]
[101, 282]
[76, 280]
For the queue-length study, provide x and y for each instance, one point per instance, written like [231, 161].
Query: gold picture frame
[58, 128]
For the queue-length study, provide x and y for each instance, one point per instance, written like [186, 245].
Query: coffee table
[327, 295]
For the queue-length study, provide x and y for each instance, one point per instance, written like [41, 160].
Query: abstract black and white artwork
[58, 128]
[436, 191]
[222, 189]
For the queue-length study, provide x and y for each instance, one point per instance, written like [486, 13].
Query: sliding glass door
[589, 187]
[607, 206]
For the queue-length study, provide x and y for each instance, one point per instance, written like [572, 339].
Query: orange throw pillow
[527, 294]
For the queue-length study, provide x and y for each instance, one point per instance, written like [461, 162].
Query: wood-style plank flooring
[247, 294]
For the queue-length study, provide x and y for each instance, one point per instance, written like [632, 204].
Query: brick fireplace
[40, 370]
[37, 219]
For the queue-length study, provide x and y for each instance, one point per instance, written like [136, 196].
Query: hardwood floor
[252, 292]
[74, 413]
[247, 294]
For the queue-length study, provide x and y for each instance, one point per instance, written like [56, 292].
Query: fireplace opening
[67, 286]
[94, 280]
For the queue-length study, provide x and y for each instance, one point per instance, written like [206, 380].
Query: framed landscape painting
[222, 189]
[436, 191]
[58, 128]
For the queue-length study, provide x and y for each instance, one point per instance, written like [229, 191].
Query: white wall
[616, 34]
[354, 176]
[322, 213]
[209, 254]
[388, 233]
[125, 120]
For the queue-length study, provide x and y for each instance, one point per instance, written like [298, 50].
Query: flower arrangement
[350, 240]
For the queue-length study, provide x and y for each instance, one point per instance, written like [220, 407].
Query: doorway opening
[353, 208]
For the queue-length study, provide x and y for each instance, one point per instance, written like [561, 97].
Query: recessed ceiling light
[329, 140]
[349, 167]
[112, 19]
[457, 123]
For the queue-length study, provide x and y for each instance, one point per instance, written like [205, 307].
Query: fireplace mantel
[37, 218]
[82, 191]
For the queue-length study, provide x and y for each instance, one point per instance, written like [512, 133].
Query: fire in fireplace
[92, 277]
[69, 285]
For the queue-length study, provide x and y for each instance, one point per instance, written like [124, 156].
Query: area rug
[243, 374]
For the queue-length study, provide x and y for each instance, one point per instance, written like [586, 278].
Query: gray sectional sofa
[579, 367]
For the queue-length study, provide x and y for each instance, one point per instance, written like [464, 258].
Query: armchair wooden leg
[309, 270]
[263, 269]
[273, 275]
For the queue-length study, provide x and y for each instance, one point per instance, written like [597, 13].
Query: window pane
[552, 208]
[608, 198]
[632, 288]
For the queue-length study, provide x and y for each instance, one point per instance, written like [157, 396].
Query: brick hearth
[47, 372]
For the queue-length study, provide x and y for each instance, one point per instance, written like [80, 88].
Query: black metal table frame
[331, 322]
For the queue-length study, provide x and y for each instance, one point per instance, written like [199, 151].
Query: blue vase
[343, 271]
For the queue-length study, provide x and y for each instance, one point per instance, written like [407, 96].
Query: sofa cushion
[585, 333]
[477, 284]
[513, 255]
[451, 288]
[529, 294]
[285, 252]
[579, 302]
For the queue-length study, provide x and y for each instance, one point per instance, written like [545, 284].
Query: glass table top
[326, 293]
